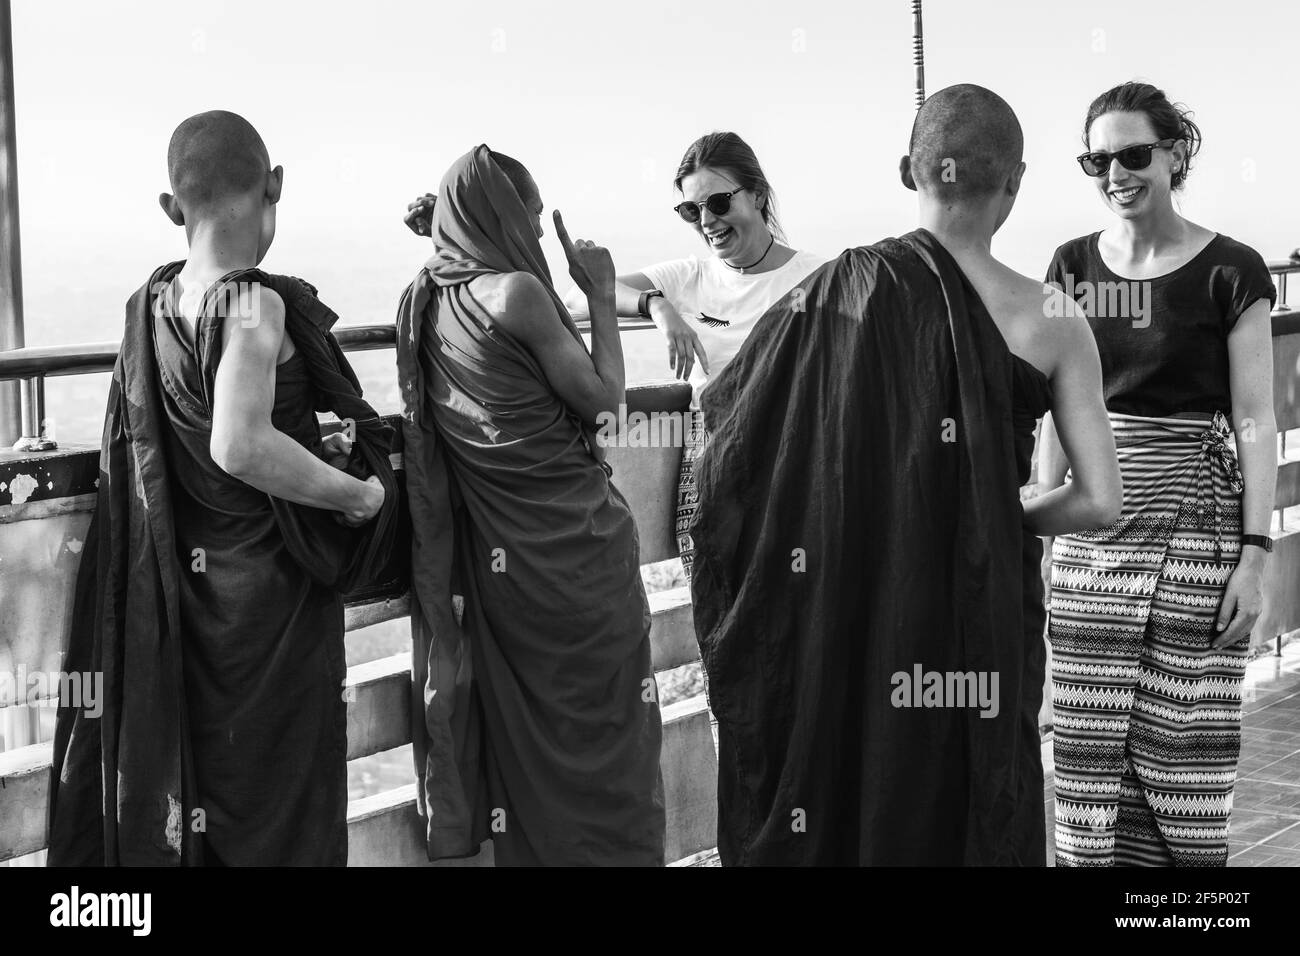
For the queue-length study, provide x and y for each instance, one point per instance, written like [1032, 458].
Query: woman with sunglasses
[1151, 615]
[706, 306]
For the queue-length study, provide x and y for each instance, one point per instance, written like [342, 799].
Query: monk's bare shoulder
[517, 300]
[1061, 326]
[256, 312]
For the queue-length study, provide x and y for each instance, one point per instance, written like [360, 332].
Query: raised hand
[419, 215]
[590, 266]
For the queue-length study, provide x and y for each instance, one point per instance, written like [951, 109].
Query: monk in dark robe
[539, 724]
[226, 530]
[866, 593]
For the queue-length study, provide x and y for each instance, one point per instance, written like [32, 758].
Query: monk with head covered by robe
[539, 725]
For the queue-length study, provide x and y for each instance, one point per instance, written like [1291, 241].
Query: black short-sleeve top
[1164, 341]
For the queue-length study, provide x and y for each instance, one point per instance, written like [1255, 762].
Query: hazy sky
[365, 104]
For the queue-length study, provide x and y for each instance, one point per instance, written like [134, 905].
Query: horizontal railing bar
[82, 359]
[86, 359]
[89, 358]
[93, 357]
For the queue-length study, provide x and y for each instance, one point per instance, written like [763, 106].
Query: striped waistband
[1137, 430]
[1206, 439]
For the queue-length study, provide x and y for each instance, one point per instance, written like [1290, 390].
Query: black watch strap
[1258, 540]
[643, 303]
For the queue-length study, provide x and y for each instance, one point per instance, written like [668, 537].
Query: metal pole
[918, 52]
[11, 275]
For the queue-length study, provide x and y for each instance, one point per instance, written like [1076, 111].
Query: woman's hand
[683, 343]
[590, 266]
[1243, 599]
[419, 215]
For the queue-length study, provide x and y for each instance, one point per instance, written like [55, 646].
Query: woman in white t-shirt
[707, 306]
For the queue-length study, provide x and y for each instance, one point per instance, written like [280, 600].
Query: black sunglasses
[719, 204]
[1130, 157]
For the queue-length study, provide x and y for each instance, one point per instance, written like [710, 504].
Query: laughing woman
[1151, 616]
[706, 307]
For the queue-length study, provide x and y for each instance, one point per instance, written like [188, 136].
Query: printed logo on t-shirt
[714, 323]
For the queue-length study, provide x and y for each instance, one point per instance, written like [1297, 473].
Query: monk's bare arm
[1095, 495]
[244, 442]
[527, 312]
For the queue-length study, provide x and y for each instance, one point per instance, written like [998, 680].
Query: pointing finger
[561, 231]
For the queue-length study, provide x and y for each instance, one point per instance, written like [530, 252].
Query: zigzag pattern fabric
[1146, 715]
[688, 499]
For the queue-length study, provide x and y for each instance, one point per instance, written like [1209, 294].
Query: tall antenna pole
[918, 52]
[11, 275]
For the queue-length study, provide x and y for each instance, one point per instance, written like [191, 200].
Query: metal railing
[31, 366]
[1281, 268]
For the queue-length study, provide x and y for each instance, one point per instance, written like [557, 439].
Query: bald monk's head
[220, 170]
[966, 148]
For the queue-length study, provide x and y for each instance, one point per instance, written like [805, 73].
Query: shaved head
[215, 156]
[966, 141]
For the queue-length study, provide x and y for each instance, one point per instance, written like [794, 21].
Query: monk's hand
[590, 266]
[366, 504]
[336, 450]
[419, 215]
[683, 343]
[1243, 599]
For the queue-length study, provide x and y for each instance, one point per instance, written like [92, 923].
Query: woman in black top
[1150, 616]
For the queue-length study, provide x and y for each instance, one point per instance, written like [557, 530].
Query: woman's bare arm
[1250, 377]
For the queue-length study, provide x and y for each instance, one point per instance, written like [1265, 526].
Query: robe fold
[214, 611]
[860, 527]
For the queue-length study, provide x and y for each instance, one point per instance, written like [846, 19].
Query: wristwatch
[1258, 540]
[643, 303]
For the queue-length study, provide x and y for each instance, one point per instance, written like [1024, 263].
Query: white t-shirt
[706, 289]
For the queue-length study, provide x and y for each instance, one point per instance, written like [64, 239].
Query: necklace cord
[770, 244]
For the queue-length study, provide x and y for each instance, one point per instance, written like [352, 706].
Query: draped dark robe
[214, 611]
[538, 722]
[859, 516]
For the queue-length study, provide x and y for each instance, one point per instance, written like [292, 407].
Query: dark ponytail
[1169, 120]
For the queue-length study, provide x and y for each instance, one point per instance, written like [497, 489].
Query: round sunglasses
[719, 204]
[1130, 157]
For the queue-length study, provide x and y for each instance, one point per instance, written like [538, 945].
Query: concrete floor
[1265, 825]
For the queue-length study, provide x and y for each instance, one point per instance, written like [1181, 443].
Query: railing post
[11, 276]
[35, 435]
